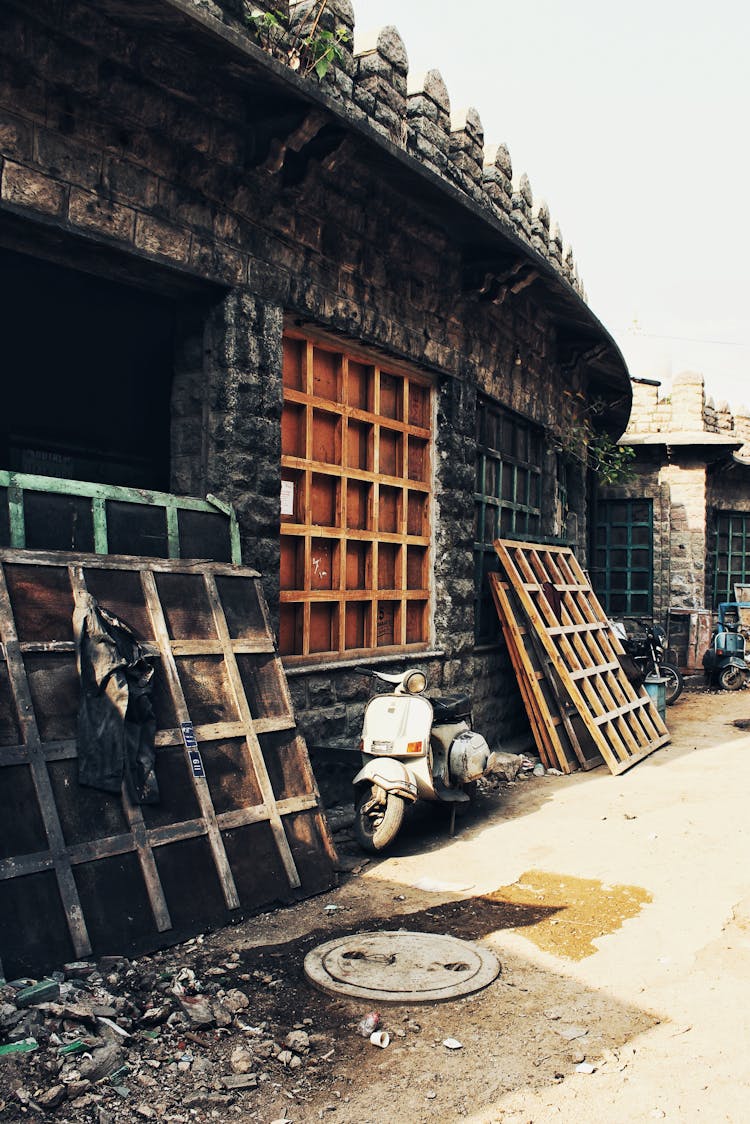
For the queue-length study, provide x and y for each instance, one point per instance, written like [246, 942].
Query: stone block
[93, 212]
[64, 159]
[16, 137]
[156, 237]
[130, 182]
[29, 188]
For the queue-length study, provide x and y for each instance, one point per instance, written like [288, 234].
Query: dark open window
[623, 570]
[87, 376]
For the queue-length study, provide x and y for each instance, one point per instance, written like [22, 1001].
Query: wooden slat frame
[59, 858]
[246, 729]
[343, 476]
[583, 650]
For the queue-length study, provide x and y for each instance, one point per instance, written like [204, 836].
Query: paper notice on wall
[287, 497]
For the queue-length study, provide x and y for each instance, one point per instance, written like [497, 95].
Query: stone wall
[687, 482]
[141, 157]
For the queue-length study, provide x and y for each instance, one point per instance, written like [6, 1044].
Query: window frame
[350, 415]
[602, 574]
[486, 623]
[731, 516]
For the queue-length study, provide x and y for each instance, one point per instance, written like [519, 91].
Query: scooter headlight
[415, 682]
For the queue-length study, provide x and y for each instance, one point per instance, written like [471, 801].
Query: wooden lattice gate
[239, 824]
[596, 709]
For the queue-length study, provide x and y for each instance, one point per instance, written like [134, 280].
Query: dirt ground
[619, 908]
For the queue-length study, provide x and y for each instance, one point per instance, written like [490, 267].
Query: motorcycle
[648, 651]
[724, 663]
[413, 747]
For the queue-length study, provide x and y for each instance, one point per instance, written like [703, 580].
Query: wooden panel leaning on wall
[239, 824]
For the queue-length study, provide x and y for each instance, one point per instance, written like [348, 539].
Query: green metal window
[45, 513]
[507, 498]
[731, 553]
[623, 570]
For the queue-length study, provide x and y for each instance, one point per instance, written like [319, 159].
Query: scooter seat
[451, 708]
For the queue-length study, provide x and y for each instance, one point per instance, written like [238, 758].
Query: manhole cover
[400, 967]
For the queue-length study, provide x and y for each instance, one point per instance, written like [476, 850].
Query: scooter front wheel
[377, 823]
[732, 678]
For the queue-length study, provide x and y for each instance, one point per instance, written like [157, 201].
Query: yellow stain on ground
[576, 910]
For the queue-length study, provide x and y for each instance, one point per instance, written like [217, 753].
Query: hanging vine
[580, 441]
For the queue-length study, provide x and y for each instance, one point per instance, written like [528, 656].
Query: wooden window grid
[356, 491]
[623, 569]
[731, 553]
[507, 498]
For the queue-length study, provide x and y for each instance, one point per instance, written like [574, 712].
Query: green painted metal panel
[18, 483]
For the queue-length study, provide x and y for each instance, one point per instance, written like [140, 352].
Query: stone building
[673, 541]
[314, 294]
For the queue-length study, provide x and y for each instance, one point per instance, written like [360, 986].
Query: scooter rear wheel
[732, 678]
[674, 684]
[377, 824]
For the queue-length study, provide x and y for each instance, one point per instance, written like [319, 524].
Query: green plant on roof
[309, 49]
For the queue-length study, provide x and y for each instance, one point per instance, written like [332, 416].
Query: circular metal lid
[401, 967]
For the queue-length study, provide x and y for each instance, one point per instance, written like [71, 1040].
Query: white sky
[632, 122]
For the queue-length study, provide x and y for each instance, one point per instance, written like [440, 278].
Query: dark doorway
[87, 373]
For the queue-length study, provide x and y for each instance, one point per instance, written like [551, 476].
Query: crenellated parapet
[380, 81]
[428, 111]
[369, 72]
[497, 177]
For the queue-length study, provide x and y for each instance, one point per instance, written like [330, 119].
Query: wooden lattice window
[623, 570]
[731, 553]
[355, 504]
[507, 498]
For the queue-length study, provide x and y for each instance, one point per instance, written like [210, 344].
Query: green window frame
[623, 569]
[507, 498]
[731, 553]
[98, 500]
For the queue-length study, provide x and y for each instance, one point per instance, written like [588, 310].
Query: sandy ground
[659, 1007]
[619, 908]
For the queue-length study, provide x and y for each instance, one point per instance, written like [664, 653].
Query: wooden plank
[133, 815]
[45, 797]
[543, 726]
[200, 785]
[251, 738]
[123, 562]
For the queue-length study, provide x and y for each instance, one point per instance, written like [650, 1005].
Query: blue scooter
[724, 662]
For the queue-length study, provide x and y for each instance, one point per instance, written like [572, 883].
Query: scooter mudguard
[390, 775]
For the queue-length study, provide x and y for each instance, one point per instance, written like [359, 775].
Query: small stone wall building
[674, 540]
[319, 298]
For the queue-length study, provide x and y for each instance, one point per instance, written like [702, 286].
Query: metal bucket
[657, 689]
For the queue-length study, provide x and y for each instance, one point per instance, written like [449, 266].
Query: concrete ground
[659, 1007]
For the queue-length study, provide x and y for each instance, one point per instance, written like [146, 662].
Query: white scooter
[413, 748]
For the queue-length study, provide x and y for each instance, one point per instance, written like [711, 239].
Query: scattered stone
[298, 1041]
[235, 1000]
[241, 1060]
[240, 1081]
[198, 1009]
[79, 970]
[51, 1098]
[103, 1063]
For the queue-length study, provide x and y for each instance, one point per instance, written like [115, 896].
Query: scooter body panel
[389, 774]
[397, 725]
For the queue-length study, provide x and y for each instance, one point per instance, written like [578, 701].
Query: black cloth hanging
[116, 721]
